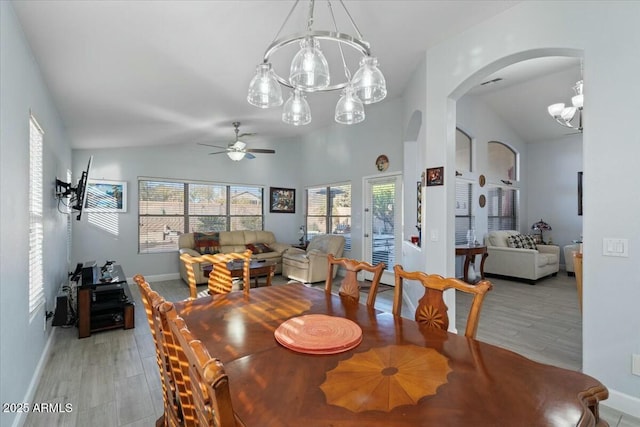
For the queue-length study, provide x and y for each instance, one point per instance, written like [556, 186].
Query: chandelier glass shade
[264, 90]
[309, 72]
[296, 110]
[566, 115]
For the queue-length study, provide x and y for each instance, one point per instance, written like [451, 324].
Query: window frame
[329, 217]
[185, 217]
[36, 217]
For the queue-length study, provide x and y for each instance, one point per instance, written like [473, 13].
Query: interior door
[383, 223]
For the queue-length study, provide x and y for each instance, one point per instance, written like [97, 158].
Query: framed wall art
[106, 196]
[580, 193]
[435, 176]
[282, 200]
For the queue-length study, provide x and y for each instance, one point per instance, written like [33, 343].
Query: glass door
[383, 223]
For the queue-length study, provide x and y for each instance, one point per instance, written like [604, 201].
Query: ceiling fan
[238, 150]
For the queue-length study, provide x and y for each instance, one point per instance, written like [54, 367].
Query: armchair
[310, 265]
[522, 263]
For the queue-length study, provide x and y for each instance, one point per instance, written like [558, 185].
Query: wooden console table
[469, 253]
[105, 305]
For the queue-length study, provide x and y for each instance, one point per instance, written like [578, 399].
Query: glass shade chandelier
[309, 72]
[566, 115]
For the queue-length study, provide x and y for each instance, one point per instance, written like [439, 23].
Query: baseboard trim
[19, 420]
[158, 277]
[623, 402]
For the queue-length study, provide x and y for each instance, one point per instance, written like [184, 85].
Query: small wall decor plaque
[382, 163]
[435, 176]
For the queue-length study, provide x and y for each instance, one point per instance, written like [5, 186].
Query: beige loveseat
[526, 264]
[311, 265]
[234, 241]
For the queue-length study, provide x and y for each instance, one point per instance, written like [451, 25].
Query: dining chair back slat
[350, 286]
[178, 409]
[220, 279]
[189, 261]
[208, 380]
[432, 310]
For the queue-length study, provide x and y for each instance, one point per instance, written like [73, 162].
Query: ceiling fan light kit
[309, 72]
[238, 150]
[565, 115]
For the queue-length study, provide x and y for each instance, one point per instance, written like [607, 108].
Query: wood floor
[111, 378]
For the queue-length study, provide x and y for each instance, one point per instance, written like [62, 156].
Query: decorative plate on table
[319, 334]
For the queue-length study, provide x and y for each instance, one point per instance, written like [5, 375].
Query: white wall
[348, 153]
[337, 154]
[611, 327]
[118, 240]
[553, 188]
[24, 340]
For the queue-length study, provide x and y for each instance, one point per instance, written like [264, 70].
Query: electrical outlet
[635, 364]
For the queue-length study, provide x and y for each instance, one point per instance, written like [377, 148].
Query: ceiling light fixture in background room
[566, 115]
[309, 72]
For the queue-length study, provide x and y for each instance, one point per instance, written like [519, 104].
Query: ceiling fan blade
[246, 134]
[218, 152]
[210, 145]
[260, 150]
[249, 156]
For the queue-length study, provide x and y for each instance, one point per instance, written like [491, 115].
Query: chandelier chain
[347, 73]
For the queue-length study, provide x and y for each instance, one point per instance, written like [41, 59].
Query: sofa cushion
[499, 237]
[207, 243]
[521, 241]
[547, 259]
[259, 248]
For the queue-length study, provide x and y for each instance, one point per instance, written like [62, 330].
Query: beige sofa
[311, 265]
[527, 264]
[233, 241]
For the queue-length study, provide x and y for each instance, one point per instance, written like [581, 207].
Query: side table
[469, 253]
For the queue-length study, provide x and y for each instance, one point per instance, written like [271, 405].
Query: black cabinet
[105, 305]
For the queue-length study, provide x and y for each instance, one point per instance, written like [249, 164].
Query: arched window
[503, 162]
[463, 152]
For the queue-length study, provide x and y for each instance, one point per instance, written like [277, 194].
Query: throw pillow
[207, 243]
[259, 248]
[520, 241]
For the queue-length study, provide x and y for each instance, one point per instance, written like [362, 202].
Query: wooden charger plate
[319, 334]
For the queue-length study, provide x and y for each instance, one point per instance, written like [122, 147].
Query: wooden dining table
[401, 374]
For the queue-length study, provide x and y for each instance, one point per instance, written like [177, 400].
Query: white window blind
[36, 227]
[502, 205]
[464, 213]
[169, 208]
[329, 212]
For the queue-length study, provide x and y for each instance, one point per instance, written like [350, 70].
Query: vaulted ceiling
[143, 73]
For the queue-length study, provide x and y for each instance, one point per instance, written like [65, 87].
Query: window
[503, 194]
[36, 224]
[503, 161]
[464, 213]
[463, 152]
[167, 209]
[502, 205]
[329, 212]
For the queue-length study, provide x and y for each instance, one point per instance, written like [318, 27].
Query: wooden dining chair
[220, 280]
[208, 380]
[178, 409]
[188, 262]
[350, 286]
[431, 310]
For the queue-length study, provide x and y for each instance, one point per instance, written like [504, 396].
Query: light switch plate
[615, 247]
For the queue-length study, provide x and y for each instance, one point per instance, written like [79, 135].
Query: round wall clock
[382, 162]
